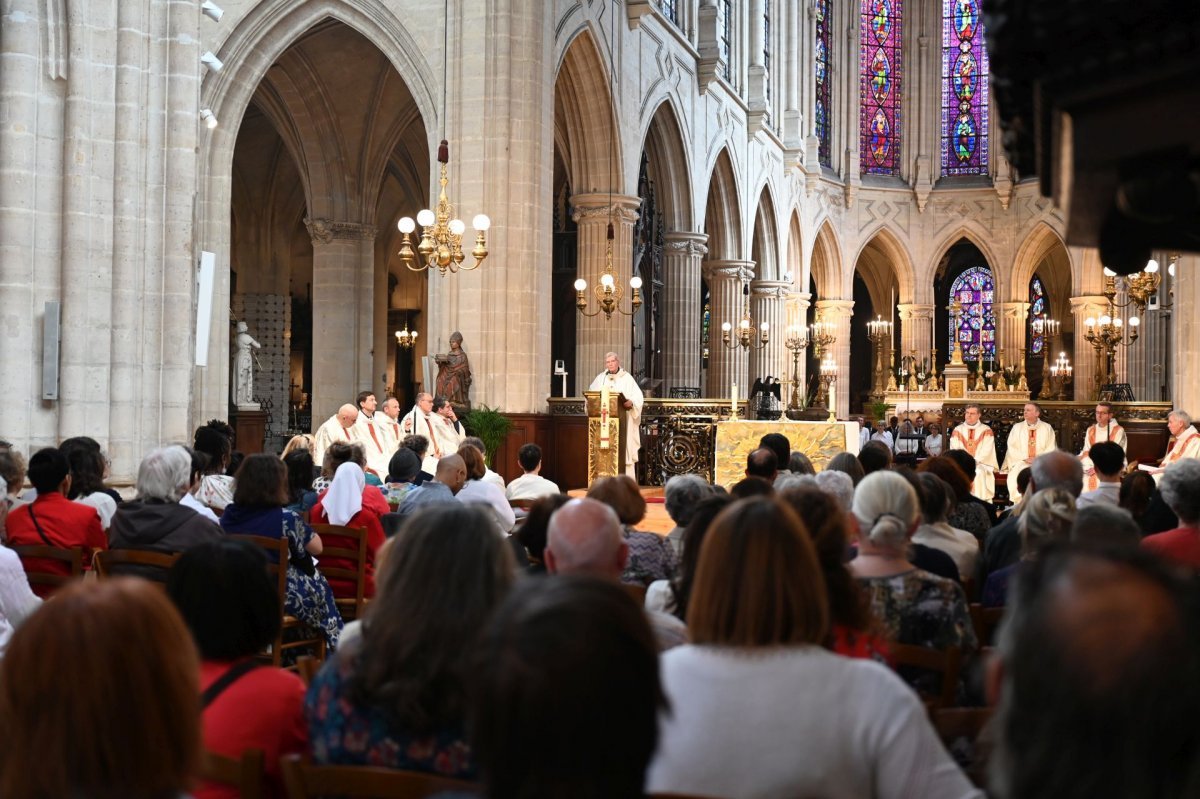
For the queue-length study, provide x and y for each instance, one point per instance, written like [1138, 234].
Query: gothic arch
[1043, 250]
[585, 118]
[669, 167]
[825, 266]
[793, 263]
[881, 252]
[765, 238]
[979, 238]
[722, 220]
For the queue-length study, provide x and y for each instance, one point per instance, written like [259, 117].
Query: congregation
[877, 628]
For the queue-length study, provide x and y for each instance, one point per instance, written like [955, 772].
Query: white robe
[391, 428]
[982, 446]
[375, 443]
[1044, 440]
[421, 424]
[1096, 434]
[1186, 445]
[624, 383]
[328, 433]
[449, 439]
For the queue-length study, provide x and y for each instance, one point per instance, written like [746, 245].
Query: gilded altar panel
[820, 441]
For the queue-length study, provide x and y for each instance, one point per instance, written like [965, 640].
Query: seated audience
[396, 696]
[188, 500]
[1180, 488]
[875, 457]
[303, 442]
[762, 463]
[403, 469]
[1095, 681]
[52, 519]
[451, 476]
[650, 556]
[1109, 460]
[229, 603]
[340, 452]
[216, 486]
[779, 444]
[1047, 519]
[838, 485]
[530, 485]
[1104, 524]
[681, 495]
[88, 465]
[419, 445]
[488, 475]
[752, 487]
[966, 462]
[798, 463]
[12, 471]
[156, 521]
[477, 491]
[847, 463]
[343, 505]
[936, 500]
[1022, 483]
[759, 619]
[300, 469]
[966, 511]
[853, 632]
[532, 533]
[259, 497]
[1136, 490]
[17, 601]
[98, 697]
[916, 607]
[585, 538]
[671, 596]
[556, 659]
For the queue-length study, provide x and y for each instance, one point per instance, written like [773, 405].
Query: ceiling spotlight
[208, 118]
[211, 61]
[211, 10]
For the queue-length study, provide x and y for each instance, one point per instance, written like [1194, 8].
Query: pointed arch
[1042, 252]
[585, 118]
[764, 247]
[793, 262]
[669, 167]
[825, 266]
[884, 251]
[722, 219]
[980, 238]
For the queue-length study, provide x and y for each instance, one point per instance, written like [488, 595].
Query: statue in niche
[454, 373]
[243, 369]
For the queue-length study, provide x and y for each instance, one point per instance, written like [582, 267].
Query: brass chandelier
[442, 234]
[607, 292]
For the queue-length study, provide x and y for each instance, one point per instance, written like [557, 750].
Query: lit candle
[733, 402]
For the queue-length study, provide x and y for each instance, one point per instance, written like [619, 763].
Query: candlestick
[733, 409]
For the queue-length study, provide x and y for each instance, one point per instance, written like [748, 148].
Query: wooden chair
[306, 781]
[961, 730]
[106, 560]
[332, 538]
[947, 662]
[307, 667]
[45, 583]
[278, 569]
[244, 773]
[637, 591]
[985, 621]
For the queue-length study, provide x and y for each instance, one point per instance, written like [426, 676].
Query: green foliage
[878, 410]
[490, 425]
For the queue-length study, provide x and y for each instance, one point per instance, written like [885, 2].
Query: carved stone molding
[596, 207]
[324, 231]
[769, 289]
[1013, 310]
[714, 271]
[835, 309]
[911, 311]
[688, 244]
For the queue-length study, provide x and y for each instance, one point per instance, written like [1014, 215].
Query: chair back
[306, 781]
[307, 667]
[637, 591]
[985, 621]
[277, 568]
[112, 562]
[947, 662]
[344, 561]
[39, 561]
[244, 773]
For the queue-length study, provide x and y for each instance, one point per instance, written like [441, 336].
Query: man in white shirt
[1026, 441]
[1105, 429]
[977, 439]
[387, 419]
[620, 381]
[864, 432]
[1109, 460]
[372, 438]
[531, 485]
[335, 428]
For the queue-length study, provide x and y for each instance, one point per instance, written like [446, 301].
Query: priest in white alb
[1105, 429]
[977, 439]
[1026, 440]
[1185, 443]
[374, 440]
[336, 428]
[620, 381]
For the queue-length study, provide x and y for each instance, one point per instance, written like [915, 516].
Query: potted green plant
[491, 426]
[878, 410]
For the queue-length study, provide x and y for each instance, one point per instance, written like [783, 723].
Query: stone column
[681, 345]
[1085, 362]
[598, 335]
[343, 313]
[756, 71]
[767, 304]
[916, 329]
[1185, 378]
[839, 313]
[726, 366]
[1011, 319]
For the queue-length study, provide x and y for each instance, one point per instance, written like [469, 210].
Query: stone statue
[243, 369]
[454, 373]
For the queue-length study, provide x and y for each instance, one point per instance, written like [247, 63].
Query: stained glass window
[767, 46]
[974, 289]
[822, 111]
[1039, 312]
[705, 325]
[964, 90]
[669, 10]
[880, 67]
[725, 35]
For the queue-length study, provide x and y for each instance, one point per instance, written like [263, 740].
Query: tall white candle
[733, 402]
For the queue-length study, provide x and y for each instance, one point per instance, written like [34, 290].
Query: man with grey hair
[585, 538]
[1180, 489]
[681, 495]
[1185, 443]
[617, 380]
[1105, 524]
[1002, 547]
[155, 521]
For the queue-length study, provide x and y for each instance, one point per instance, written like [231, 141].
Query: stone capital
[835, 309]
[718, 271]
[687, 244]
[914, 311]
[769, 289]
[324, 231]
[1013, 310]
[601, 208]
[1089, 305]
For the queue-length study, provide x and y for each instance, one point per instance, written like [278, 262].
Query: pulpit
[606, 433]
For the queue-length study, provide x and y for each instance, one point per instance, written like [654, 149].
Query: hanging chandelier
[405, 338]
[442, 234]
[746, 337]
[608, 294]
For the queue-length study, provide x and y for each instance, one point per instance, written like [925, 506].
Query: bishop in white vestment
[618, 380]
[977, 439]
[1026, 440]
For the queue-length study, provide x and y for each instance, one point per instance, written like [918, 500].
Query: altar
[820, 441]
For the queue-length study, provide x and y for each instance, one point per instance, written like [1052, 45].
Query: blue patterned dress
[309, 599]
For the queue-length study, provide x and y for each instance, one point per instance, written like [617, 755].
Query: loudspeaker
[204, 301]
[51, 331]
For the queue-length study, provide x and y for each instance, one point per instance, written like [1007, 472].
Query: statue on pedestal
[454, 374]
[243, 369]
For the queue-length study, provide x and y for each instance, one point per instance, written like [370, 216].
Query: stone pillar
[767, 304]
[343, 313]
[726, 366]
[1185, 377]
[598, 335]
[839, 313]
[756, 71]
[1085, 362]
[681, 345]
[1011, 319]
[916, 329]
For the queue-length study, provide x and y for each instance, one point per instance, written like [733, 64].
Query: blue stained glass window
[824, 45]
[1039, 312]
[964, 90]
[975, 291]
[725, 35]
[669, 10]
[881, 40]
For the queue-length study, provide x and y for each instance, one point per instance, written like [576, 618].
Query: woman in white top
[759, 708]
[933, 441]
[88, 465]
[937, 498]
[478, 491]
[216, 488]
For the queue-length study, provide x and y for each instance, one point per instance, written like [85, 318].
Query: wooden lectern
[606, 434]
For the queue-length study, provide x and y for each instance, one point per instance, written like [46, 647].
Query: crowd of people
[502, 643]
